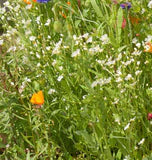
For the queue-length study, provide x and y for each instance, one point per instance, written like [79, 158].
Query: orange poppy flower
[148, 47]
[37, 98]
[28, 1]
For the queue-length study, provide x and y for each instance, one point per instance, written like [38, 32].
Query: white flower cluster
[57, 47]
[101, 82]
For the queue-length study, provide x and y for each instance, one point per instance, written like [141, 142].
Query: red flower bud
[149, 117]
[123, 23]
[137, 34]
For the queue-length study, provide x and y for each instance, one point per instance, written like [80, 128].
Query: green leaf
[56, 111]
[121, 48]
[119, 24]
[87, 138]
[77, 22]
[96, 8]
[119, 154]
[2, 145]
[26, 139]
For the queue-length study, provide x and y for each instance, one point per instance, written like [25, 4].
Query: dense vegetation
[76, 80]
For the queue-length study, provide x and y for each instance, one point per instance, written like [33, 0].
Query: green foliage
[95, 75]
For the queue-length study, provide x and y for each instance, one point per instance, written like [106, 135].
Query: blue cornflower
[42, 1]
[125, 5]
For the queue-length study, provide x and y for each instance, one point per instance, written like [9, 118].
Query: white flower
[117, 119]
[119, 57]
[84, 96]
[150, 4]
[74, 37]
[59, 78]
[31, 53]
[49, 37]
[12, 48]
[2, 10]
[29, 6]
[127, 126]
[118, 72]
[76, 53]
[61, 68]
[110, 62]
[2, 17]
[12, 83]
[122, 91]
[101, 82]
[27, 79]
[141, 142]
[37, 55]
[146, 62]
[101, 62]
[48, 48]
[27, 32]
[137, 72]
[38, 20]
[142, 11]
[95, 49]
[7, 146]
[119, 79]
[138, 45]
[56, 49]
[65, 47]
[47, 22]
[67, 107]
[17, 8]
[104, 39]
[127, 63]
[26, 23]
[94, 84]
[54, 99]
[138, 63]
[116, 100]
[39, 64]
[89, 40]
[85, 35]
[134, 40]
[127, 158]
[136, 52]
[1, 41]
[32, 38]
[132, 119]
[149, 38]
[128, 77]
[6, 4]
[54, 62]
[77, 42]
[51, 91]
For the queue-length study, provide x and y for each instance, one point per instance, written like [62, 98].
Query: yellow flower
[37, 98]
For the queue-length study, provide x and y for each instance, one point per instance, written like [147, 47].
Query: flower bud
[149, 117]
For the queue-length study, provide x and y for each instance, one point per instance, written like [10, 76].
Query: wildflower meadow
[76, 80]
